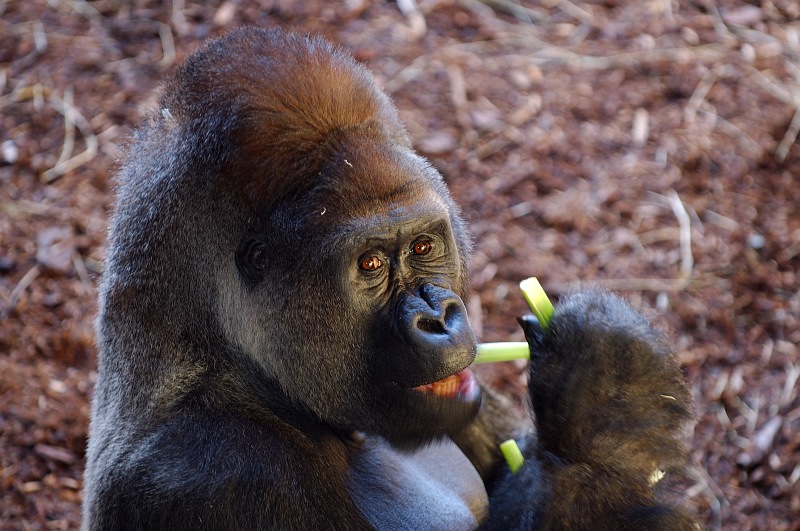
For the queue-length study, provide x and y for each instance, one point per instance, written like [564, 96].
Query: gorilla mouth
[461, 386]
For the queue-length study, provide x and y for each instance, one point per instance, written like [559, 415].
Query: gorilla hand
[610, 404]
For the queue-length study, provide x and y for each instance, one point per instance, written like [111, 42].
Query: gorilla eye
[421, 248]
[370, 264]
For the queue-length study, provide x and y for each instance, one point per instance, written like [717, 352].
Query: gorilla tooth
[461, 385]
[446, 387]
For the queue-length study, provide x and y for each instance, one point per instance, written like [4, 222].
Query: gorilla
[284, 344]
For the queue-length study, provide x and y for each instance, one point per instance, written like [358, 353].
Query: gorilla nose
[434, 323]
[443, 307]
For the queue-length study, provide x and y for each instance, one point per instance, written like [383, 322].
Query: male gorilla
[284, 343]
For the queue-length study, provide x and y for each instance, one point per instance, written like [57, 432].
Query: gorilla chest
[435, 487]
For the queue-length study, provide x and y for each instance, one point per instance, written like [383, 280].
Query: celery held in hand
[512, 455]
[542, 308]
[537, 300]
[489, 352]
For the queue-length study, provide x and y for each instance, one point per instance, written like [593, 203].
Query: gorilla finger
[534, 333]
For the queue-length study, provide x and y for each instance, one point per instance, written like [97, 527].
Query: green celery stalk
[543, 310]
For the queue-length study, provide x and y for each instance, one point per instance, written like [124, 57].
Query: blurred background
[645, 145]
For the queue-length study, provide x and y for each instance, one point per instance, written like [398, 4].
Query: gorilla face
[359, 280]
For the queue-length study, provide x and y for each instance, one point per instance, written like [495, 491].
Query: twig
[21, 208]
[622, 284]
[794, 477]
[782, 151]
[71, 113]
[699, 95]
[23, 284]
[793, 68]
[416, 20]
[658, 235]
[716, 18]
[39, 46]
[541, 53]
[576, 12]
[685, 224]
[750, 414]
[83, 274]
[579, 34]
[487, 149]
[20, 93]
[167, 46]
[719, 388]
[640, 127]
[550, 55]
[69, 127]
[458, 95]
[721, 221]
[792, 375]
[39, 37]
[643, 284]
[514, 9]
[773, 88]
[178, 18]
[736, 133]
[84, 8]
[716, 498]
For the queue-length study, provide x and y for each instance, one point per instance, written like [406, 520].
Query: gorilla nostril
[430, 326]
[452, 311]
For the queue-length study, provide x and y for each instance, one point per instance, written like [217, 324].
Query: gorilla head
[294, 235]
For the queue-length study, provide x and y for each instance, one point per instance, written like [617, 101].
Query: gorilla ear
[251, 260]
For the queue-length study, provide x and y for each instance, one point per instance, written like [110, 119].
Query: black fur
[282, 272]
[610, 404]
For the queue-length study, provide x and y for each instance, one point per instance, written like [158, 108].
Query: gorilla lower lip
[461, 385]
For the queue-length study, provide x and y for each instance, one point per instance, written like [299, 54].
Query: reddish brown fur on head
[285, 101]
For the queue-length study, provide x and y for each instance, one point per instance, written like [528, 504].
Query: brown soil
[645, 145]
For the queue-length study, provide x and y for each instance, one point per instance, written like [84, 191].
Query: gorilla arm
[220, 460]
